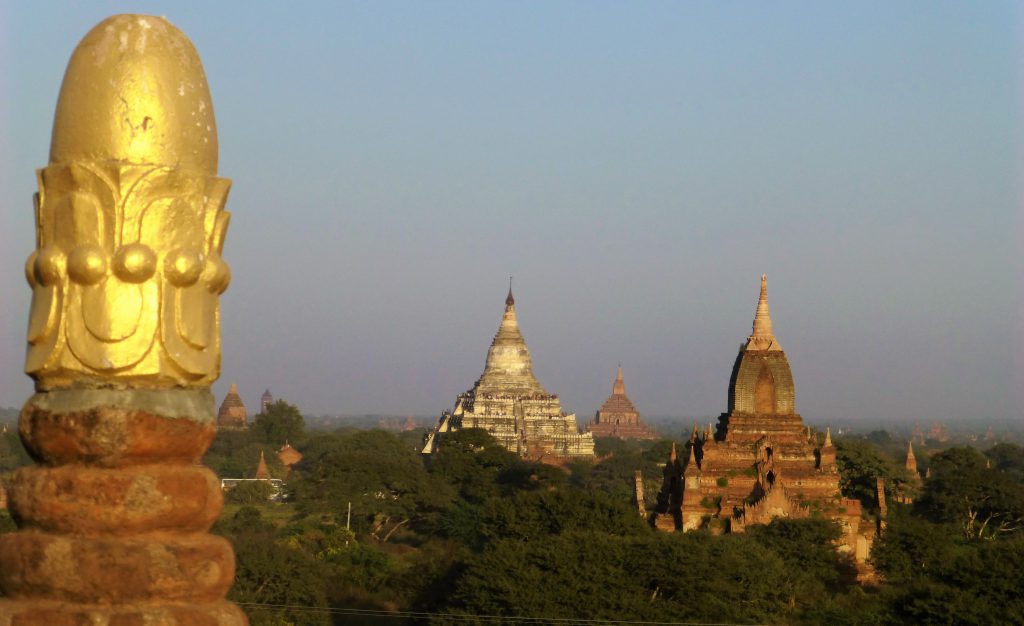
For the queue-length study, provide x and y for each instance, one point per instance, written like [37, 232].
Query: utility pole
[348, 521]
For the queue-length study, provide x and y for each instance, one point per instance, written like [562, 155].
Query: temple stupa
[232, 413]
[617, 417]
[510, 403]
[761, 462]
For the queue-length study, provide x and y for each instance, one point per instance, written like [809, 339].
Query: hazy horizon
[635, 166]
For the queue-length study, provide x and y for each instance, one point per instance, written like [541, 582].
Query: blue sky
[635, 165]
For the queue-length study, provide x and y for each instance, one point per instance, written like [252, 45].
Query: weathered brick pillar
[124, 343]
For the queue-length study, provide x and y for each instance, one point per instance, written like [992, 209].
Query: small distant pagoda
[617, 417]
[911, 462]
[508, 402]
[288, 456]
[265, 401]
[262, 472]
[232, 413]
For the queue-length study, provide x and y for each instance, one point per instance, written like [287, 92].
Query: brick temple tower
[762, 462]
[617, 417]
[232, 413]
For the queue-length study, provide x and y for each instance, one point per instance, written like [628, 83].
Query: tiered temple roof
[761, 462]
[288, 455]
[617, 417]
[510, 403]
[232, 413]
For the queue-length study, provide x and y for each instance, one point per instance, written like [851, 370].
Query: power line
[460, 617]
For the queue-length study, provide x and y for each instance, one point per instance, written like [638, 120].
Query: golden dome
[135, 91]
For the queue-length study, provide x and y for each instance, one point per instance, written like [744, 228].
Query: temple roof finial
[672, 455]
[510, 301]
[761, 338]
[261, 469]
[828, 438]
[619, 386]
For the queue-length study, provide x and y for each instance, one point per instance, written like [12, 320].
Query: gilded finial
[130, 218]
[761, 337]
[828, 438]
[509, 300]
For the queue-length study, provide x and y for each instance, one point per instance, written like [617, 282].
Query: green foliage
[530, 476]
[722, 482]
[471, 461]
[12, 454]
[615, 473]
[982, 502]
[236, 453]
[7, 524]
[980, 584]
[362, 566]
[250, 492]
[861, 464]
[913, 548]
[528, 516]
[268, 573]
[281, 423]
[807, 547]
[1008, 458]
[596, 576]
[385, 481]
[709, 502]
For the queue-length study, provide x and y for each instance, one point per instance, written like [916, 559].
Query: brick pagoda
[761, 462]
[617, 417]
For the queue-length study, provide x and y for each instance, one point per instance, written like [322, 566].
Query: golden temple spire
[762, 338]
[672, 455]
[828, 438]
[619, 386]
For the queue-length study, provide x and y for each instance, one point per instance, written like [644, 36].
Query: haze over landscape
[636, 167]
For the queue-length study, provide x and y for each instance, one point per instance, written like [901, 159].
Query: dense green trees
[588, 574]
[280, 423]
[385, 480]
[235, 453]
[861, 463]
[269, 573]
[980, 500]
[474, 530]
[12, 453]
[251, 492]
